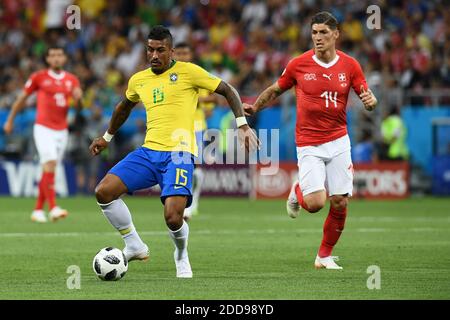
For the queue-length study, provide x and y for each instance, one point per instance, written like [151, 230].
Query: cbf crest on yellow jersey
[170, 100]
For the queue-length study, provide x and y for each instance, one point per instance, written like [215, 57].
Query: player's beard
[157, 70]
[57, 69]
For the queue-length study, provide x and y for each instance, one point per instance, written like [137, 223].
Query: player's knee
[315, 202]
[174, 219]
[104, 194]
[339, 202]
[50, 166]
[173, 213]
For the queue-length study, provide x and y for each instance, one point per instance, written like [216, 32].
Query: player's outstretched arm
[16, 108]
[119, 116]
[247, 137]
[271, 93]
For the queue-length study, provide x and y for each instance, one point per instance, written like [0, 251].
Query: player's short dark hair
[54, 47]
[326, 18]
[181, 45]
[160, 32]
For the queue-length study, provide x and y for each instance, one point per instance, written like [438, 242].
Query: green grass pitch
[239, 249]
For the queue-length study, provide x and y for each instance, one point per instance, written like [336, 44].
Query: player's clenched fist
[98, 145]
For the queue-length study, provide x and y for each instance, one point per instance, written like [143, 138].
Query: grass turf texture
[239, 249]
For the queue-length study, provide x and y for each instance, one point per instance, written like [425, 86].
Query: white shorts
[326, 166]
[50, 144]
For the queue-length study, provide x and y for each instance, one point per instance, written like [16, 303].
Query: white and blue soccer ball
[110, 264]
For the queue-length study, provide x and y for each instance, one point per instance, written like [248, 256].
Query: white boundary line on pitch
[283, 217]
[375, 219]
[207, 232]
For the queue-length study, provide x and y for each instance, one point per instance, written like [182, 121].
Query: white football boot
[327, 263]
[142, 254]
[57, 213]
[292, 206]
[183, 266]
[38, 216]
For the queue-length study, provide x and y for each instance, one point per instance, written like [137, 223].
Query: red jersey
[322, 91]
[53, 93]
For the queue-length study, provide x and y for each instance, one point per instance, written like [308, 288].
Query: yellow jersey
[170, 100]
[199, 117]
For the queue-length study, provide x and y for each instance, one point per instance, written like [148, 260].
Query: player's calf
[179, 233]
[119, 216]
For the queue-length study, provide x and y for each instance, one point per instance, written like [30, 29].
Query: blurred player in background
[55, 87]
[169, 92]
[206, 102]
[322, 78]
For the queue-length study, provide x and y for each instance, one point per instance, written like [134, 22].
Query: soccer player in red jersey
[54, 88]
[322, 78]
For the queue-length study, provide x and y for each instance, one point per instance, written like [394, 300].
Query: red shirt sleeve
[358, 78]
[287, 78]
[32, 83]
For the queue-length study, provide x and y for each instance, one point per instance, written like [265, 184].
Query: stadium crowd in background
[245, 42]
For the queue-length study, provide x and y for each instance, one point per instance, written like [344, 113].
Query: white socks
[119, 216]
[180, 239]
[198, 176]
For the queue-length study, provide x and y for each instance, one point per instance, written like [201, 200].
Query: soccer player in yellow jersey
[183, 52]
[169, 92]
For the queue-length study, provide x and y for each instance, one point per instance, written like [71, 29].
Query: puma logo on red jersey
[327, 76]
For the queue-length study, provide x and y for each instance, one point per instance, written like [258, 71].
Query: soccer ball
[110, 264]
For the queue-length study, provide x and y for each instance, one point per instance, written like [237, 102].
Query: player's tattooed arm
[232, 97]
[247, 137]
[119, 116]
[268, 95]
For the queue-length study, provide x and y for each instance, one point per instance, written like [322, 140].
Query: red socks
[332, 229]
[46, 191]
[41, 196]
[50, 190]
[300, 200]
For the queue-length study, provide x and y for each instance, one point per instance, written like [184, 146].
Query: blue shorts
[143, 168]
